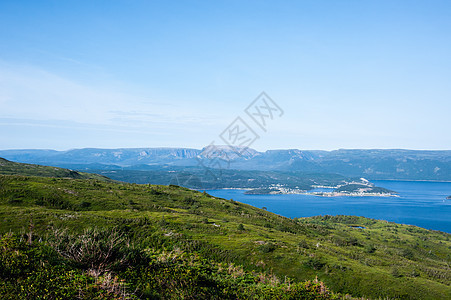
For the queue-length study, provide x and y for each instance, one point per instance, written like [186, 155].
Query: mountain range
[396, 164]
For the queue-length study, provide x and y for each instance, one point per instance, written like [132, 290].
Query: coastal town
[351, 189]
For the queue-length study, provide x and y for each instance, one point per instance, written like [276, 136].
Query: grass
[12, 168]
[384, 260]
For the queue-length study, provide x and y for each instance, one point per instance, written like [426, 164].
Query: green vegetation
[12, 168]
[263, 191]
[65, 238]
[362, 188]
[210, 178]
[258, 182]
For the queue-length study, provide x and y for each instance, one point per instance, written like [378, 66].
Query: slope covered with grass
[104, 238]
[12, 168]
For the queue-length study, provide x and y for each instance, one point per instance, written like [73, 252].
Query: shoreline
[318, 194]
[412, 180]
[338, 194]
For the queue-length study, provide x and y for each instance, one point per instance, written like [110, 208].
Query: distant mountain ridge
[373, 164]
[122, 157]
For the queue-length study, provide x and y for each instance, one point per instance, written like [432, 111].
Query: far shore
[318, 194]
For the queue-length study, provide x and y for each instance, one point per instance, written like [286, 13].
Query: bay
[422, 204]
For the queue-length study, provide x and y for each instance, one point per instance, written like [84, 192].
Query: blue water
[422, 204]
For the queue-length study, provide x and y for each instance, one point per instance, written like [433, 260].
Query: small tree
[303, 244]
[163, 222]
[395, 272]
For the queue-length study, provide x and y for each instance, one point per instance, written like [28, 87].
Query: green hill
[363, 188]
[12, 168]
[94, 239]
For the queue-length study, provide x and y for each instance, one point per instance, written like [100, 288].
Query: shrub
[266, 248]
[85, 204]
[95, 249]
[369, 248]
[407, 253]
[314, 263]
[303, 244]
[395, 272]
[163, 222]
[36, 272]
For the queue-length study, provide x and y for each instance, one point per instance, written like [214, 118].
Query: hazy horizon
[200, 148]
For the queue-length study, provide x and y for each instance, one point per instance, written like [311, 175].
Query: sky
[122, 74]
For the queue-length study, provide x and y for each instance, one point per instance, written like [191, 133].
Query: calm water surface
[422, 204]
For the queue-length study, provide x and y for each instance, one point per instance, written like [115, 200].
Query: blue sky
[348, 74]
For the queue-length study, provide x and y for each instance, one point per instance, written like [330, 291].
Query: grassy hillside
[12, 168]
[170, 242]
